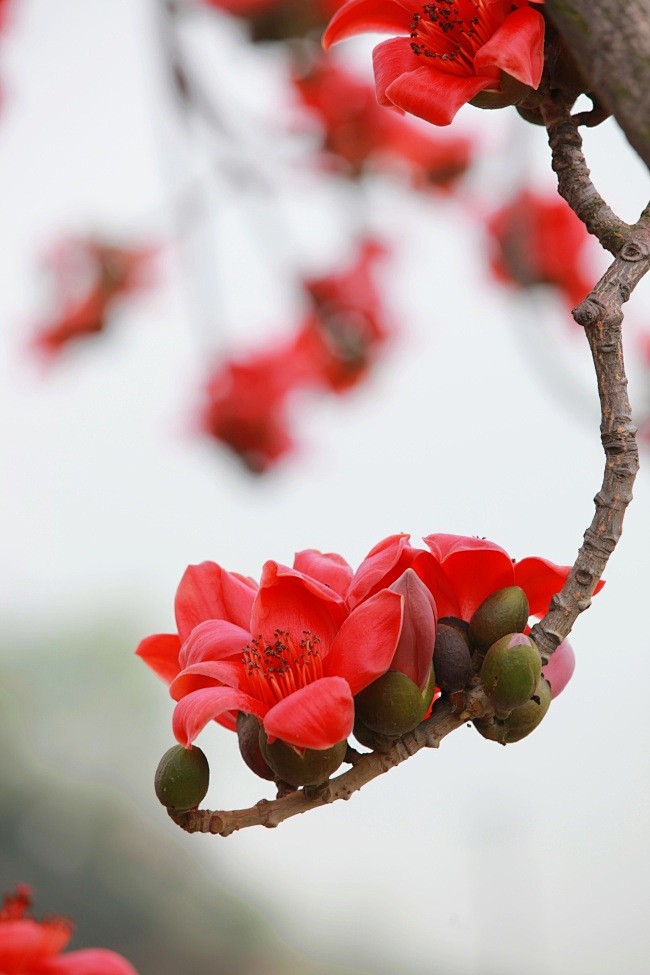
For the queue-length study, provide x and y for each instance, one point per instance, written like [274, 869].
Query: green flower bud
[452, 659]
[505, 611]
[519, 722]
[311, 766]
[393, 704]
[378, 743]
[182, 778]
[510, 672]
[248, 734]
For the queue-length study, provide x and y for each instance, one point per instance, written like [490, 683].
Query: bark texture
[610, 40]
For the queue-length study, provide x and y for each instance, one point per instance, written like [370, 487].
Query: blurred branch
[611, 44]
[270, 813]
[601, 315]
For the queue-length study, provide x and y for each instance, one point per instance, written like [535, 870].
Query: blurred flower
[341, 339]
[246, 405]
[296, 663]
[450, 53]
[30, 947]
[90, 276]
[537, 239]
[360, 134]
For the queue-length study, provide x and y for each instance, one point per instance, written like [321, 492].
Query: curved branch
[611, 43]
[270, 813]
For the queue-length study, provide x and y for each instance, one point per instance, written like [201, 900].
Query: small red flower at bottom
[30, 947]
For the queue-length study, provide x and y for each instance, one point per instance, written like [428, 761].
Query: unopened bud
[505, 611]
[510, 672]
[393, 704]
[418, 634]
[452, 659]
[182, 778]
[248, 734]
[298, 767]
[520, 722]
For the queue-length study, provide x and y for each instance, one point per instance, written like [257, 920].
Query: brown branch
[611, 43]
[270, 813]
[601, 315]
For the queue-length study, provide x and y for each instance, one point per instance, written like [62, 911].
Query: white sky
[475, 860]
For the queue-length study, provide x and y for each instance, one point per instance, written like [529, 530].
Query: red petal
[443, 545]
[540, 580]
[376, 566]
[208, 592]
[517, 47]
[433, 576]
[25, 942]
[417, 638]
[363, 16]
[390, 60]
[200, 707]
[317, 716]
[205, 674]
[293, 603]
[90, 961]
[475, 575]
[327, 567]
[160, 652]
[213, 640]
[434, 95]
[365, 645]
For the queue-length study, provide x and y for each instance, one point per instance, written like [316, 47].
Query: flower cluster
[536, 239]
[31, 947]
[316, 651]
[358, 135]
[91, 275]
[336, 344]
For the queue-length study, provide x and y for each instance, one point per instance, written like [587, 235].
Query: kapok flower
[295, 663]
[536, 239]
[90, 275]
[451, 52]
[30, 947]
[340, 341]
[246, 406]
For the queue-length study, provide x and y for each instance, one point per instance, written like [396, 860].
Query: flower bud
[309, 766]
[559, 670]
[248, 734]
[510, 672]
[505, 611]
[370, 739]
[393, 704]
[452, 658]
[182, 778]
[519, 722]
[418, 635]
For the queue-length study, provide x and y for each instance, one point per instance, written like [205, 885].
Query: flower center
[280, 667]
[453, 32]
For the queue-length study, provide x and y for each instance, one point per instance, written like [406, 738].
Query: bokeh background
[481, 419]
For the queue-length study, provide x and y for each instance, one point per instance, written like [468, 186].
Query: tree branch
[270, 813]
[611, 43]
[601, 315]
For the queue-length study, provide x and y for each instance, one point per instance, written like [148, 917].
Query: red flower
[450, 52]
[30, 947]
[277, 20]
[340, 341]
[537, 239]
[295, 663]
[246, 407]
[90, 275]
[358, 132]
